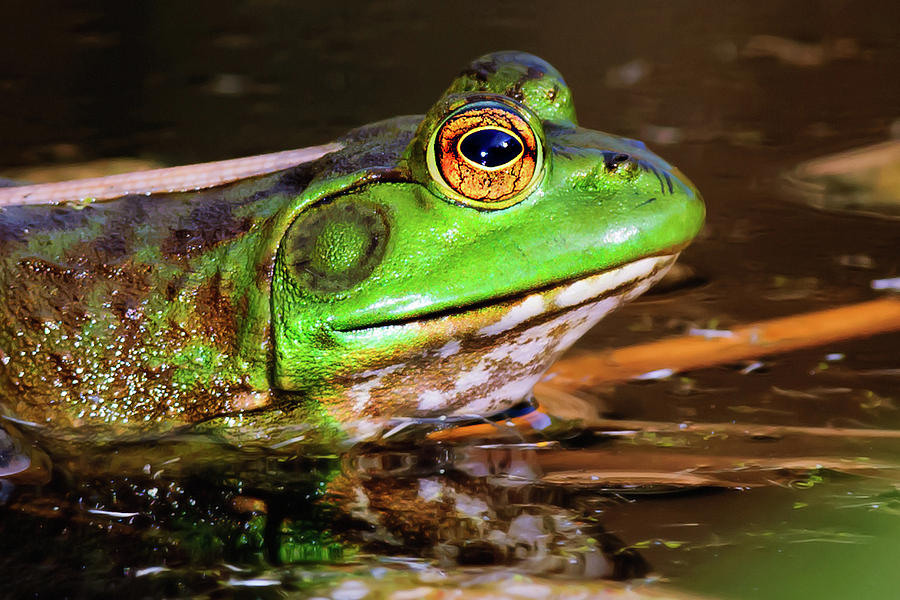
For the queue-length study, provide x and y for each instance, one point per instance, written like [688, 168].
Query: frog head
[438, 266]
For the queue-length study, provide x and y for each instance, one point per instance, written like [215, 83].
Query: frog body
[432, 266]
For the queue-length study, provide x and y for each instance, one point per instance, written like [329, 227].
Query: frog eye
[486, 155]
[490, 148]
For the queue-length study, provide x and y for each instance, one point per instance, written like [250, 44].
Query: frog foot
[12, 459]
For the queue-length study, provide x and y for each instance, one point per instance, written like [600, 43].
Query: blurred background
[187, 81]
[739, 95]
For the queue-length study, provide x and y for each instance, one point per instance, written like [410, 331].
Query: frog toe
[12, 459]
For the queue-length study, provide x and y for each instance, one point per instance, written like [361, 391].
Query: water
[735, 512]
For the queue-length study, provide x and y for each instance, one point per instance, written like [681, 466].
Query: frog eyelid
[505, 130]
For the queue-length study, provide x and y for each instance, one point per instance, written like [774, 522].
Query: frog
[427, 267]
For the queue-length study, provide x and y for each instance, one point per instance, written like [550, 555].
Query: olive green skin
[143, 314]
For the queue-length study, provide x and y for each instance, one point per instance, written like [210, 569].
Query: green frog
[429, 267]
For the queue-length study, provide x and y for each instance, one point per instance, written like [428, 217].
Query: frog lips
[485, 358]
[519, 308]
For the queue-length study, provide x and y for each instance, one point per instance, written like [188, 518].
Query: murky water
[735, 95]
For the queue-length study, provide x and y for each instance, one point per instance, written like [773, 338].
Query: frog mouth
[556, 297]
[480, 359]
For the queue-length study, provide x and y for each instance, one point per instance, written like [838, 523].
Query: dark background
[181, 82]
[189, 81]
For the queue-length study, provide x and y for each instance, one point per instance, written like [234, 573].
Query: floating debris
[886, 284]
[628, 74]
[800, 54]
[865, 180]
[653, 375]
[711, 333]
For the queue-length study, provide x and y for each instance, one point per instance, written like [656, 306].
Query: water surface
[735, 95]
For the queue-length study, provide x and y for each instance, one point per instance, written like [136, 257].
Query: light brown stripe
[172, 179]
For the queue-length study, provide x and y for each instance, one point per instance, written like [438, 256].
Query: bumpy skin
[353, 289]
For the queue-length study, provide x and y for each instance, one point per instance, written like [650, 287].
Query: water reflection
[756, 506]
[479, 505]
[257, 518]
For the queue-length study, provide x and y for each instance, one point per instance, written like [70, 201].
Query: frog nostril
[612, 160]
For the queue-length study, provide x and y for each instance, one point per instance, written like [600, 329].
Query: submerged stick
[774, 336]
[172, 179]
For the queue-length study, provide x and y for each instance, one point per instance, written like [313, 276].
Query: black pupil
[490, 147]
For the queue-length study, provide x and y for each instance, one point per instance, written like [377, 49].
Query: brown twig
[775, 336]
[746, 429]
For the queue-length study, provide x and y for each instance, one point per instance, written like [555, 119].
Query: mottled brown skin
[60, 298]
[144, 313]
